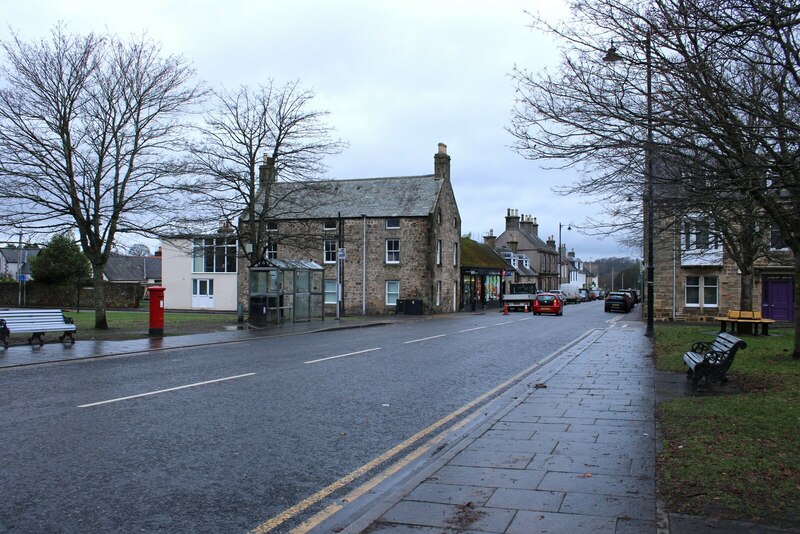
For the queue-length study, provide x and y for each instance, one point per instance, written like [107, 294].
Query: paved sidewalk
[575, 453]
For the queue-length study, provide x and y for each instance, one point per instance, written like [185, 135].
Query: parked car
[618, 301]
[635, 293]
[632, 296]
[548, 303]
[584, 294]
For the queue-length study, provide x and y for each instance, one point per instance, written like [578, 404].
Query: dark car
[618, 301]
[633, 296]
[548, 303]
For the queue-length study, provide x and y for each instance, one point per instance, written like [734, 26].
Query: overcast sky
[397, 78]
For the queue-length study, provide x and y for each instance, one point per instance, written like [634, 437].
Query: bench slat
[712, 360]
[36, 322]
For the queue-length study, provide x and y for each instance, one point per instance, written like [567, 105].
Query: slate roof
[474, 254]
[402, 196]
[133, 268]
[11, 255]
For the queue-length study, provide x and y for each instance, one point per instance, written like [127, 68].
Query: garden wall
[125, 295]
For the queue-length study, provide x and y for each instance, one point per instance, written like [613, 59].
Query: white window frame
[438, 292]
[330, 225]
[702, 286]
[330, 248]
[271, 252]
[220, 252]
[438, 252]
[455, 254]
[395, 284]
[393, 254]
[330, 293]
[393, 223]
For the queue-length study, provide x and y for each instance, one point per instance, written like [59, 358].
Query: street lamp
[569, 227]
[613, 56]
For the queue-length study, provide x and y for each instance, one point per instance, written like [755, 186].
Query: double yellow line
[325, 492]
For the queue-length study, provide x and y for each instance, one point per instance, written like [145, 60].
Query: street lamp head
[612, 56]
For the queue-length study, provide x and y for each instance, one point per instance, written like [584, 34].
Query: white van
[570, 292]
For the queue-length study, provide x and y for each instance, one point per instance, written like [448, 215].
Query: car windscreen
[616, 297]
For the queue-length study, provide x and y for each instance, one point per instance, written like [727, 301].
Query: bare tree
[139, 249]
[90, 127]
[725, 102]
[250, 139]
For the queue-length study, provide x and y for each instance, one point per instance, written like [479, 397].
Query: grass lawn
[733, 456]
[136, 324]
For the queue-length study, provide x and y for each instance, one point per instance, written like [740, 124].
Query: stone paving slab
[577, 455]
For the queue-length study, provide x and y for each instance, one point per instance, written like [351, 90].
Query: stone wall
[125, 295]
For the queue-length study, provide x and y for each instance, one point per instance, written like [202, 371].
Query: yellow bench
[747, 318]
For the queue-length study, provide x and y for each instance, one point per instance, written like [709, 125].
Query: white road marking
[471, 329]
[343, 355]
[507, 322]
[525, 319]
[164, 390]
[423, 339]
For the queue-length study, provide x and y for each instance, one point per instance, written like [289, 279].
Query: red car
[548, 303]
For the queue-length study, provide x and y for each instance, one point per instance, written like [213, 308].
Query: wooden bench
[710, 361]
[748, 318]
[37, 322]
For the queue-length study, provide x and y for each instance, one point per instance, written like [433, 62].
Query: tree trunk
[746, 294]
[100, 321]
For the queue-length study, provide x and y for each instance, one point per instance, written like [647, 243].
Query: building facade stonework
[400, 237]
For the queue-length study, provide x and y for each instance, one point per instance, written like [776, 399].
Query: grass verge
[733, 456]
[136, 324]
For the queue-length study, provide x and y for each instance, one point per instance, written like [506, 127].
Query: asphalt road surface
[230, 437]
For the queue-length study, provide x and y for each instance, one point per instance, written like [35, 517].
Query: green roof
[474, 254]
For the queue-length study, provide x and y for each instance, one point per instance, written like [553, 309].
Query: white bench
[37, 322]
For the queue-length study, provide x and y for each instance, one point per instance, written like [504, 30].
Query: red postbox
[157, 310]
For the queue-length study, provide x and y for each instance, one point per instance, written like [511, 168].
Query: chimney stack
[571, 253]
[489, 240]
[266, 172]
[535, 228]
[441, 163]
[512, 243]
[512, 219]
[526, 223]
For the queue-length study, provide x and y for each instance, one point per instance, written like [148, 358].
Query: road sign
[342, 254]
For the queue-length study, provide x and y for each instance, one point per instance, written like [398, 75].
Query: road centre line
[507, 322]
[471, 329]
[423, 339]
[164, 390]
[343, 355]
[525, 319]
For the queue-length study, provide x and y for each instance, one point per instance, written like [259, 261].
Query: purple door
[777, 301]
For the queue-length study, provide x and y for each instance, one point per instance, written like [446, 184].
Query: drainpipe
[364, 266]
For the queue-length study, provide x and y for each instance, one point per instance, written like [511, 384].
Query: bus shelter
[286, 290]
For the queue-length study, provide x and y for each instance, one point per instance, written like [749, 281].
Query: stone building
[393, 238]
[695, 277]
[521, 238]
[696, 280]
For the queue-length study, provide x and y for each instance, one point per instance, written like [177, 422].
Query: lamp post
[613, 56]
[569, 227]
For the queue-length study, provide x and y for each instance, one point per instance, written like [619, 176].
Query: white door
[202, 293]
